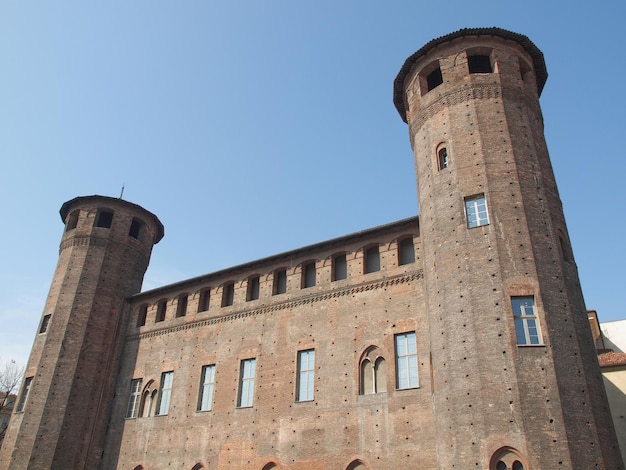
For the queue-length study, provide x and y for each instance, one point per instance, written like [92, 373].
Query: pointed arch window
[373, 372]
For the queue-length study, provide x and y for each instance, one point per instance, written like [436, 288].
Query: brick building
[456, 340]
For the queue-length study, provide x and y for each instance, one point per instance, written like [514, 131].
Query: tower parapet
[61, 417]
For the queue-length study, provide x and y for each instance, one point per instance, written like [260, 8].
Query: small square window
[104, 219]
[476, 211]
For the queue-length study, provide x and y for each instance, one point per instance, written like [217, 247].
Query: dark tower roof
[527, 44]
[65, 208]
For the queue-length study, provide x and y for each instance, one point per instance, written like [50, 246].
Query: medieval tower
[458, 340]
[67, 390]
[508, 324]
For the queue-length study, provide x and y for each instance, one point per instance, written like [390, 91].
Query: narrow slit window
[135, 228]
[372, 260]
[253, 288]
[203, 302]
[72, 221]
[142, 314]
[308, 275]
[340, 267]
[181, 307]
[161, 309]
[24, 395]
[444, 160]
[44, 323]
[406, 251]
[228, 295]
[280, 281]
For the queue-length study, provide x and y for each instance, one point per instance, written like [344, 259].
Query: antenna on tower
[122, 192]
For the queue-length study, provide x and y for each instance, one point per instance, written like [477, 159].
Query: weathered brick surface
[480, 395]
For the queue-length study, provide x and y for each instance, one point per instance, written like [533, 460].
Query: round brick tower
[515, 374]
[62, 412]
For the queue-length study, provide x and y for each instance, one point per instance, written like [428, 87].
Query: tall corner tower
[516, 382]
[62, 411]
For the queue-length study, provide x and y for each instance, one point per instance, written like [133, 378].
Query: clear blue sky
[255, 127]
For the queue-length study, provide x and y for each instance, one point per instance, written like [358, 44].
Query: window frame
[228, 294]
[305, 380]
[474, 207]
[165, 393]
[407, 369]
[371, 259]
[134, 399]
[253, 291]
[406, 246]
[279, 284]
[339, 268]
[45, 323]
[247, 373]
[207, 388]
[309, 274]
[525, 323]
[26, 387]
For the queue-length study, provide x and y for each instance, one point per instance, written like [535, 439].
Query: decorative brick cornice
[82, 241]
[288, 304]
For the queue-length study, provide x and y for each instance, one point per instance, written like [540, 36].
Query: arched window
[270, 466]
[373, 372]
[197, 466]
[356, 465]
[507, 458]
[443, 158]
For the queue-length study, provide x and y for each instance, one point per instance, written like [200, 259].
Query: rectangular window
[308, 275]
[253, 288]
[104, 219]
[181, 307]
[280, 281]
[476, 211]
[207, 384]
[406, 361]
[134, 398]
[406, 251]
[165, 393]
[44, 324]
[340, 267]
[203, 303]
[142, 314]
[526, 326]
[161, 308]
[479, 64]
[372, 260]
[24, 395]
[228, 295]
[135, 228]
[246, 383]
[306, 375]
